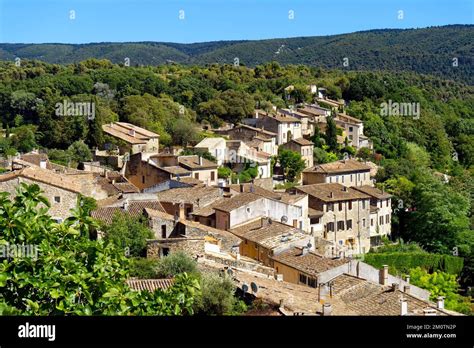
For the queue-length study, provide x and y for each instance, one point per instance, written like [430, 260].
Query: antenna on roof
[245, 288]
[254, 287]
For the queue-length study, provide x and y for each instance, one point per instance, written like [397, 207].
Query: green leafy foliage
[128, 233]
[403, 262]
[174, 264]
[217, 296]
[441, 284]
[72, 274]
[292, 164]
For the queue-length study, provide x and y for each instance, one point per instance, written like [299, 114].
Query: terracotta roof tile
[309, 263]
[343, 166]
[149, 284]
[332, 192]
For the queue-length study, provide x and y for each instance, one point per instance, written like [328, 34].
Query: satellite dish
[245, 288]
[284, 219]
[254, 287]
[309, 245]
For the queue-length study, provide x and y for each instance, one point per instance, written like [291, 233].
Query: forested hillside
[429, 51]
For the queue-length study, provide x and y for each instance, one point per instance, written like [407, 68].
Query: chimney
[131, 132]
[181, 213]
[241, 188]
[200, 160]
[403, 307]
[327, 309]
[383, 275]
[406, 289]
[125, 205]
[304, 251]
[43, 163]
[345, 189]
[440, 302]
[407, 279]
[394, 287]
[331, 195]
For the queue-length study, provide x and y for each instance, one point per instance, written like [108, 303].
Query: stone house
[307, 121]
[346, 216]
[304, 147]
[286, 127]
[264, 139]
[245, 207]
[61, 191]
[263, 237]
[133, 139]
[354, 130]
[200, 168]
[215, 146]
[173, 233]
[302, 266]
[345, 172]
[380, 213]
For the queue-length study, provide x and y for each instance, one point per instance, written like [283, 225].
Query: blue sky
[40, 21]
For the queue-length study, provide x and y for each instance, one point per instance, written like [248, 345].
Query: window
[330, 179]
[314, 221]
[381, 220]
[312, 282]
[363, 222]
[340, 206]
[143, 179]
[351, 129]
[364, 176]
[330, 226]
[351, 177]
[363, 204]
[303, 278]
[387, 202]
[371, 222]
[387, 219]
[340, 225]
[248, 209]
[196, 176]
[329, 207]
[57, 199]
[349, 205]
[349, 224]
[213, 176]
[163, 231]
[342, 179]
[358, 176]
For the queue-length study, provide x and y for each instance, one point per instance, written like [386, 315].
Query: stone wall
[68, 199]
[191, 246]
[241, 264]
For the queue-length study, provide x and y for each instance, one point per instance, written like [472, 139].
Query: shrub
[128, 232]
[144, 268]
[403, 262]
[174, 264]
[217, 296]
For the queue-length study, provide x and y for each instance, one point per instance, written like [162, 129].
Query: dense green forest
[429, 50]
[426, 162]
